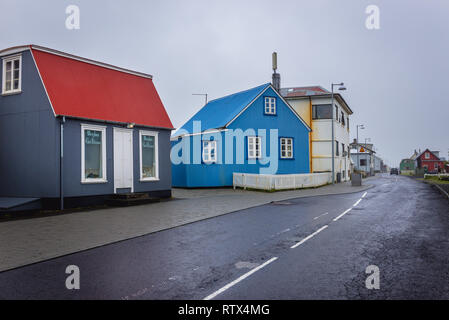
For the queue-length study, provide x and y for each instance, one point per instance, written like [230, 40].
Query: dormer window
[12, 75]
[270, 105]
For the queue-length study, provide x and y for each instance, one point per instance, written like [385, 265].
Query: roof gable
[219, 112]
[421, 155]
[84, 89]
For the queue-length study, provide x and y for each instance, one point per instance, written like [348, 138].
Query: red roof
[84, 89]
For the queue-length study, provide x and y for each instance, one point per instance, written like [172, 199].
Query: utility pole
[341, 85]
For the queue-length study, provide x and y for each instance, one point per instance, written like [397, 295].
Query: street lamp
[370, 158]
[361, 126]
[341, 88]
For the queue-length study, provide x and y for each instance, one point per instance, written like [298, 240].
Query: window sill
[10, 93]
[94, 181]
[148, 179]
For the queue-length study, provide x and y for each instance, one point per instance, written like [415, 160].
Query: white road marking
[243, 277]
[355, 204]
[364, 195]
[321, 215]
[335, 219]
[308, 237]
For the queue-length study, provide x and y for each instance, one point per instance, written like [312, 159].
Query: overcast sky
[397, 77]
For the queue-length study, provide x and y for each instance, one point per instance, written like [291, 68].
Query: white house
[314, 105]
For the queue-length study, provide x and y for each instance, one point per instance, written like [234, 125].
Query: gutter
[61, 163]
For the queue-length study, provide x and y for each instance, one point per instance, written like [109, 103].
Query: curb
[442, 191]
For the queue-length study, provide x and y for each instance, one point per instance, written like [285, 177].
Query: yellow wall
[302, 107]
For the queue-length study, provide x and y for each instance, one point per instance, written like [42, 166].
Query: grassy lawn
[435, 180]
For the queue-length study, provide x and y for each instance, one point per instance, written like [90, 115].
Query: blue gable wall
[214, 175]
[29, 139]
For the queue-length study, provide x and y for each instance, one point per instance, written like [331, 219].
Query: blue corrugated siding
[216, 175]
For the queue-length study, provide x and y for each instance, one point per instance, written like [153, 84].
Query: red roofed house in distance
[76, 132]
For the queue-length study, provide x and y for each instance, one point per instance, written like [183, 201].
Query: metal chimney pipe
[276, 79]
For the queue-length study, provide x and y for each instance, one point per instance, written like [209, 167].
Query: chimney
[276, 76]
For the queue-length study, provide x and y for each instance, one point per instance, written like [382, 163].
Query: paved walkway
[28, 241]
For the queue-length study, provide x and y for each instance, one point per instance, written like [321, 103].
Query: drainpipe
[61, 165]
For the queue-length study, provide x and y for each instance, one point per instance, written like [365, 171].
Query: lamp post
[341, 88]
[361, 126]
[370, 157]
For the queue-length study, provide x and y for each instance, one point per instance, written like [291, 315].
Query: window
[362, 162]
[321, 111]
[343, 149]
[254, 147]
[435, 165]
[348, 122]
[209, 151]
[337, 153]
[11, 78]
[336, 112]
[427, 155]
[286, 148]
[93, 153]
[342, 118]
[270, 105]
[149, 160]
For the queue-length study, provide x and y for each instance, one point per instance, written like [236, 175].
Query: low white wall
[280, 181]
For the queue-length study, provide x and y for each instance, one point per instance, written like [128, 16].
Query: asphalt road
[306, 248]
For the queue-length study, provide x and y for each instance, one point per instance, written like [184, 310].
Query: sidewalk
[28, 241]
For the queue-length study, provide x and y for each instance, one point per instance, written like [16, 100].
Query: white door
[123, 159]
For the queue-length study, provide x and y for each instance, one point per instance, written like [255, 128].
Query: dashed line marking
[321, 215]
[308, 237]
[341, 215]
[243, 277]
[358, 201]
[364, 195]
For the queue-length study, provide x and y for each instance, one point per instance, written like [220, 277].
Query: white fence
[280, 181]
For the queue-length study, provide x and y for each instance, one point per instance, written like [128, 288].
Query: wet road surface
[307, 248]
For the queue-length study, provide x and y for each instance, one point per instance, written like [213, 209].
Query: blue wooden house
[253, 131]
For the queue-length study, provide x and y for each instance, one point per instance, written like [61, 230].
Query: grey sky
[397, 77]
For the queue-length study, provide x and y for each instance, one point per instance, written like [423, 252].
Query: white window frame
[270, 105]
[12, 59]
[427, 155]
[284, 142]
[103, 179]
[154, 134]
[254, 150]
[212, 144]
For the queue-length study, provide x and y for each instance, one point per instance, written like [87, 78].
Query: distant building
[407, 166]
[363, 157]
[430, 162]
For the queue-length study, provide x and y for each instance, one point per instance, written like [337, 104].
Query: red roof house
[73, 129]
